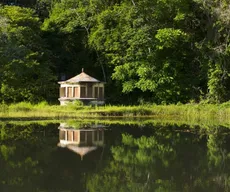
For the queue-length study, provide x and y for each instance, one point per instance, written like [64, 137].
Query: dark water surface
[115, 158]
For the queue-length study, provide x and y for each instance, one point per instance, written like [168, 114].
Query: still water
[60, 157]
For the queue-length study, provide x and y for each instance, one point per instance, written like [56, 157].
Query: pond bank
[187, 112]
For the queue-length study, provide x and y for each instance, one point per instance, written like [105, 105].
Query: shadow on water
[94, 157]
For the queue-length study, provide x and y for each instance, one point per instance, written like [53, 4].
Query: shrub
[42, 104]
[75, 105]
[22, 106]
[4, 108]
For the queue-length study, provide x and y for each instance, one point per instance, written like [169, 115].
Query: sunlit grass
[187, 112]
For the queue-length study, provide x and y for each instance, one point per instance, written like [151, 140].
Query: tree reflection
[150, 158]
[168, 160]
[19, 167]
[219, 156]
[31, 161]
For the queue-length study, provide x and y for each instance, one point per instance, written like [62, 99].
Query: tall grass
[188, 112]
[21, 107]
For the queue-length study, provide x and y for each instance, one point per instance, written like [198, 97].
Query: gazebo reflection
[81, 141]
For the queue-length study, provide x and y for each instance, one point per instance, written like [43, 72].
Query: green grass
[187, 112]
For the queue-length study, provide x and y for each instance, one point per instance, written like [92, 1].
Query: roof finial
[82, 70]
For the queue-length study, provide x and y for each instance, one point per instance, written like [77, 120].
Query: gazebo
[82, 87]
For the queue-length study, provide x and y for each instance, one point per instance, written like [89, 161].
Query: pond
[97, 157]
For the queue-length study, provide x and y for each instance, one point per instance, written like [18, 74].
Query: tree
[215, 48]
[150, 51]
[66, 31]
[159, 51]
[147, 54]
[25, 65]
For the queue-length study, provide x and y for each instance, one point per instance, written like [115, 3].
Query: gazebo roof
[79, 150]
[82, 77]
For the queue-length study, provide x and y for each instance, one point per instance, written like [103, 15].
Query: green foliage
[169, 37]
[159, 51]
[26, 72]
[4, 108]
[42, 104]
[174, 156]
[66, 32]
[75, 105]
[193, 114]
[22, 107]
[215, 48]
[21, 167]
[147, 51]
[198, 156]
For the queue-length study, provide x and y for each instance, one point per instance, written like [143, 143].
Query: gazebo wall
[98, 91]
[81, 137]
[85, 92]
[70, 90]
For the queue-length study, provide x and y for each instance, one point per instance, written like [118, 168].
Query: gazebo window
[89, 138]
[70, 92]
[62, 135]
[75, 136]
[96, 92]
[83, 92]
[62, 92]
[75, 92]
[90, 91]
[82, 136]
[70, 136]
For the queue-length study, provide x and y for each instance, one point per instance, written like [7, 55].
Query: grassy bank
[188, 112]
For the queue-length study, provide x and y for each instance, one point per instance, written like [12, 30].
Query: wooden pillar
[79, 136]
[66, 91]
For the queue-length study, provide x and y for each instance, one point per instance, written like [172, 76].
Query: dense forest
[158, 51]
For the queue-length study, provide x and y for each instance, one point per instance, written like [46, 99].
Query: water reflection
[147, 158]
[82, 140]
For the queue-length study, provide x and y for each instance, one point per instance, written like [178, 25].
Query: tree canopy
[25, 65]
[159, 51]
